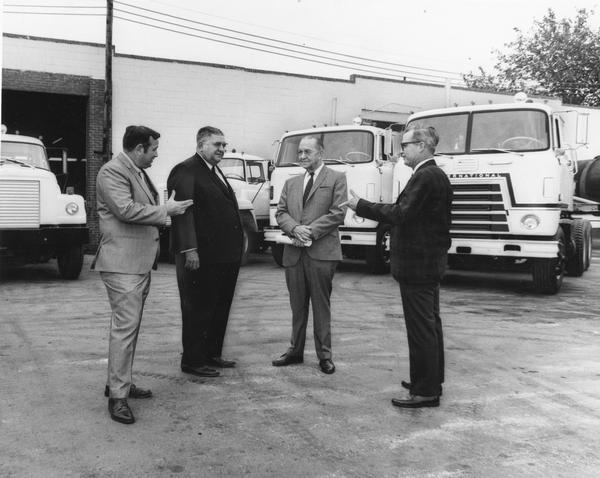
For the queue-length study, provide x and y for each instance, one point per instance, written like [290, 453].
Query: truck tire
[581, 234]
[70, 261]
[548, 274]
[277, 253]
[245, 246]
[378, 256]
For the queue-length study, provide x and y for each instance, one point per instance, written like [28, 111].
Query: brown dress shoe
[201, 371]
[120, 411]
[220, 362]
[134, 392]
[327, 366]
[287, 359]
[416, 401]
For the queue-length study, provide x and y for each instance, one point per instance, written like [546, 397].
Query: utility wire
[404, 74]
[283, 41]
[404, 77]
[269, 39]
[252, 42]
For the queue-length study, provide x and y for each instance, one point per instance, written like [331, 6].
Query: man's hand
[175, 208]
[192, 261]
[302, 233]
[352, 202]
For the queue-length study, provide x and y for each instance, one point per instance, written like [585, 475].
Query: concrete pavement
[521, 398]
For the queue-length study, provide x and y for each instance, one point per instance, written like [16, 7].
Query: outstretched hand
[175, 208]
[352, 202]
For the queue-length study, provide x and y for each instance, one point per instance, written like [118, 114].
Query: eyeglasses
[404, 145]
[220, 145]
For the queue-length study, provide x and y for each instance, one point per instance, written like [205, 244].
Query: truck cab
[364, 154]
[511, 167]
[37, 221]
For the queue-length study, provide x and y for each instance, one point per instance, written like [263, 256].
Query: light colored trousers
[127, 294]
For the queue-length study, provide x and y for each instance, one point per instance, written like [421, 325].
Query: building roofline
[352, 78]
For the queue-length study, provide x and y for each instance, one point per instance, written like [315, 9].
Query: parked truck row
[522, 197]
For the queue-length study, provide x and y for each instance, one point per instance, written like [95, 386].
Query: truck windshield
[491, 131]
[233, 168]
[340, 146]
[28, 153]
[515, 130]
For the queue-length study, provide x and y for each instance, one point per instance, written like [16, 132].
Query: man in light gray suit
[310, 211]
[129, 213]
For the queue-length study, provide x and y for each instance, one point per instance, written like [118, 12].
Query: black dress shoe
[201, 371]
[120, 411]
[416, 401]
[220, 362]
[327, 366]
[134, 392]
[287, 359]
[407, 386]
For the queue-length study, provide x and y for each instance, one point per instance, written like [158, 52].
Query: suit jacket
[322, 212]
[421, 225]
[212, 225]
[129, 214]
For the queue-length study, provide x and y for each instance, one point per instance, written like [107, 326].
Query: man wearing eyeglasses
[420, 240]
[207, 244]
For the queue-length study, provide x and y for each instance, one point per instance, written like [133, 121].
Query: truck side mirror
[582, 128]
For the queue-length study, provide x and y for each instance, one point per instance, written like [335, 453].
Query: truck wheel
[277, 253]
[579, 262]
[378, 256]
[548, 274]
[70, 262]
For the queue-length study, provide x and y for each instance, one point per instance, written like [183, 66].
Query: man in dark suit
[419, 247]
[207, 244]
[129, 214]
[310, 212]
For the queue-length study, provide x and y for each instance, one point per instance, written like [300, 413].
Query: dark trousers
[421, 304]
[206, 295]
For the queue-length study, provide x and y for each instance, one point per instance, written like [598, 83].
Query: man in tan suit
[129, 213]
[310, 211]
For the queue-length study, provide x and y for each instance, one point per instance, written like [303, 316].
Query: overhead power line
[297, 45]
[290, 52]
[388, 75]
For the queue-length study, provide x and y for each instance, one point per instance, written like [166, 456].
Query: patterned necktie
[307, 188]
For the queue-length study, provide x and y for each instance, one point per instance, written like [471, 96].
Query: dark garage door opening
[60, 122]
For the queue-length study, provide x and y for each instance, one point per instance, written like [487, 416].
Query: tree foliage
[558, 57]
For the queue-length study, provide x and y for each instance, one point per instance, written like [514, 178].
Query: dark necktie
[307, 188]
[149, 184]
[220, 180]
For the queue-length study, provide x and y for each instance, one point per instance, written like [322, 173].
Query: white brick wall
[53, 57]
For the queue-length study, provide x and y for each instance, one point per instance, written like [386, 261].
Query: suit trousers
[421, 304]
[206, 295]
[127, 294]
[310, 280]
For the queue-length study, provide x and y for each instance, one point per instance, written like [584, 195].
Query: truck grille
[19, 204]
[477, 209]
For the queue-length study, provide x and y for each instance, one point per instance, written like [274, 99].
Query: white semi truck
[37, 221]
[512, 170]
[365, 154]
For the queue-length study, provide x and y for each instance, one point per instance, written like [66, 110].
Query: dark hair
[318, 141]
[427, 134]
[207, 131]
[135, 135]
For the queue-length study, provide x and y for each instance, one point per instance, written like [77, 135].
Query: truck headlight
[530, 221]
[72, 209]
